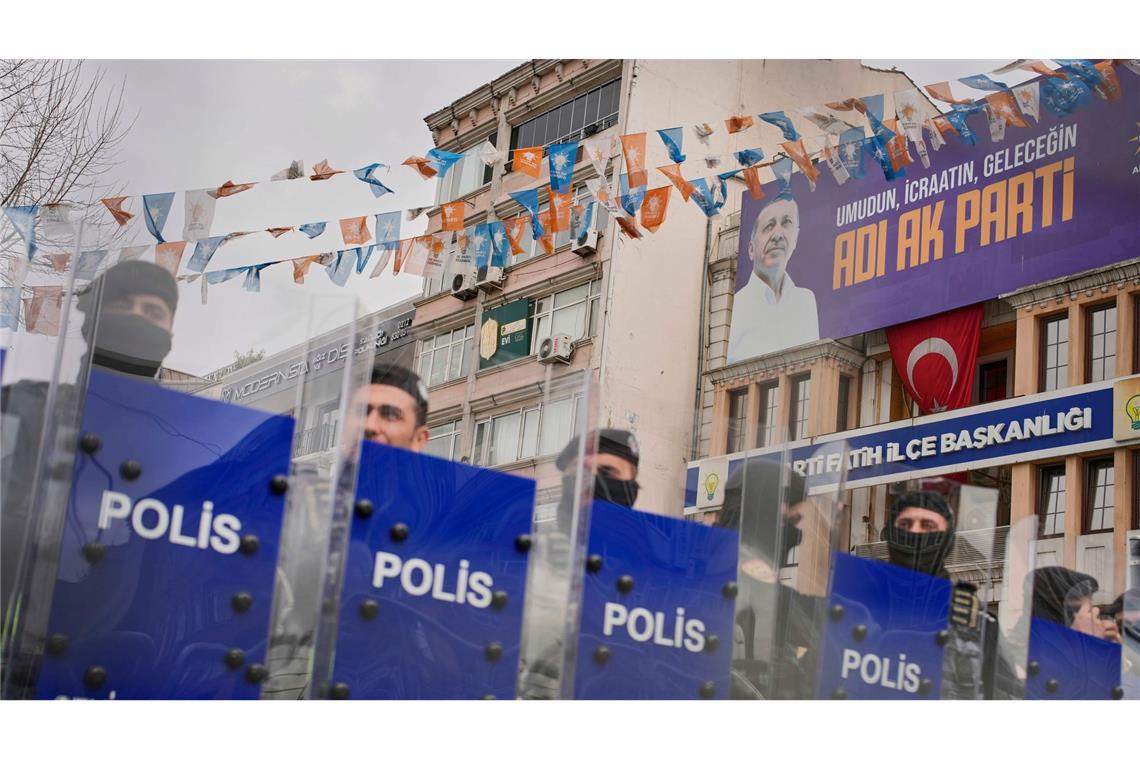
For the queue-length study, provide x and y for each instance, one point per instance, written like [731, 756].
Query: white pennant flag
[1028, 98]
[199, 216]
[295, 170]
[602, 194]
[835, 163]
[599, 151]
[910, 111]
[936, 138]
[385, 256]
[703, 132]
[997, 124]
[490, 155]
[414, 213]
[825, 121]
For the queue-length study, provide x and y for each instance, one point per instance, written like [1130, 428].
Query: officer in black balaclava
[614, 466]
[133, 327]
[920, 532]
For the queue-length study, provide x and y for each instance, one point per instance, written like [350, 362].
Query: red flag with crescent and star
[936, 357]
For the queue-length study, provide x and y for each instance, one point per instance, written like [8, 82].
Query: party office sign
[1052, 199]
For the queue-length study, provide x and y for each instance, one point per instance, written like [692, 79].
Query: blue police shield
[1068, 664]
[167, 559]
[886, 629]
[657, 607]
[436, 567]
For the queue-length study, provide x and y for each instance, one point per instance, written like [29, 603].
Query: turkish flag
[936, 357]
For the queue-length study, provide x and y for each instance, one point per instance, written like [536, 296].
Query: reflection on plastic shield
[656, 618]
[882, 638]
[434, 579]
[159, 576]
[1067, 664]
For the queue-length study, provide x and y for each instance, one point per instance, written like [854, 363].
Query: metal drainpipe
[701, 341]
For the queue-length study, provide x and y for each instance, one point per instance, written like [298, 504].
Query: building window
[1100, 342]
[526, 433]
[594, 111]
[766, 434]
[798, 416]
[992, 385]
[572, 312]
[737, 419]
[465, 175]
[533, 249]
[1054, 353]
[443, 440]
[843, 405]
[1051, 501]
[1100, 496]
[445, 357]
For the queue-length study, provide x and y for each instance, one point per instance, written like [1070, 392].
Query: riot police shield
[1130, 630]
[446, 579]
[149, 524]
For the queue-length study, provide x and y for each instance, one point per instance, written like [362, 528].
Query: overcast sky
[200, 123]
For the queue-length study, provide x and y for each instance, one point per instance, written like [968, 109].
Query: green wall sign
[504, 334]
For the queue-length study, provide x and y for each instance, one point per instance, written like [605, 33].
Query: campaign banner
[504, 334]
[657, 606]
[1052, 199]
[1056, 423]
[167, 561]
[882, 639]
[1068, 664]
[434, 578]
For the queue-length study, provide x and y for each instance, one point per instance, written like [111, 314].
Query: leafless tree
[61, 125]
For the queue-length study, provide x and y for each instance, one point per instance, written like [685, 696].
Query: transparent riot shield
[1073, 644]
[452, 579]
[153, 515]
[1130, 626]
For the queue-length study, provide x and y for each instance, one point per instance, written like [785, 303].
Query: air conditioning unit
[586, 245]
[556, 348]
[463, 286]
[489, 278]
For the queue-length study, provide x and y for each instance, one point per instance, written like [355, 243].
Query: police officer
[128, 327]
[614, 466]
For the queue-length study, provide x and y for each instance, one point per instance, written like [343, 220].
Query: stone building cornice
[824, 349]
[1103, 278]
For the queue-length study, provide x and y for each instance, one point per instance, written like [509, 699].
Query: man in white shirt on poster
[771, 312]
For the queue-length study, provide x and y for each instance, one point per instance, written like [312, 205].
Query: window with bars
[443, 440]
[591, 112]
[798, 413]
[572, 312]
[843, 407]
[1100, 342]
[737, 419]
[1100, 495]
[528, 432]
[1054, 353]
[769, 395]
[1051, 501]
[446, 356]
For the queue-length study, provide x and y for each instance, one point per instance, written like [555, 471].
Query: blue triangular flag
[388, 227]
[23, 218]
[957, 119]
[1085, 70]
[876, 147]
[673, 138]
[442, 160]
[10, 308]
[749, 156]
[703, 197]
[364, 174]
[630, 198]
[561, 158]
[342, 267]
[851, 151]
[782, 168]
[253, 278]
[312, 229]
[88, 265]
[1063, 96]
[480, 242]
[528, 199]
[781, 120]
[204, 250]
[363, 254]
[156, 207]
[217, 278]
[500, 244]
[983, 82]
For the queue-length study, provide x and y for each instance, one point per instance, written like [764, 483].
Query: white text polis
[977, 438]
[999, 211]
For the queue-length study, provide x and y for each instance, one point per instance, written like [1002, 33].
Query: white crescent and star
[937, 347]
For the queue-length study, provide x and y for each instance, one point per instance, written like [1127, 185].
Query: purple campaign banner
[1050, 200]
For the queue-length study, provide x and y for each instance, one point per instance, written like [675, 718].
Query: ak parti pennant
[301, 268]
[277, 232]
[941, 91]
[1038, 67]
[560, 206]
[115, 206]
[673, 173]
[323, 171]
[628, 227]
[798, 153]
[736, 124]
[1109, 87]
[1004, 106]
[752, 181]
[655, 207]
[451, 216]
[229, 187]
[355, 230]
[546, 239]
[426, 171]
[169, 255]
[528, 161]
[516, 227]
[633, 147]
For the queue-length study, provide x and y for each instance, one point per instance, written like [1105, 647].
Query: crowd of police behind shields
[776, 637]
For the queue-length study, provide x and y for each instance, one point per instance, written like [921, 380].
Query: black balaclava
[1055, 591]
[128, 343]
[620, 443]
[921, 552]
[752, 505]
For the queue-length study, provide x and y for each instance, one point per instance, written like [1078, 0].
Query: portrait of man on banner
[770, 312]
